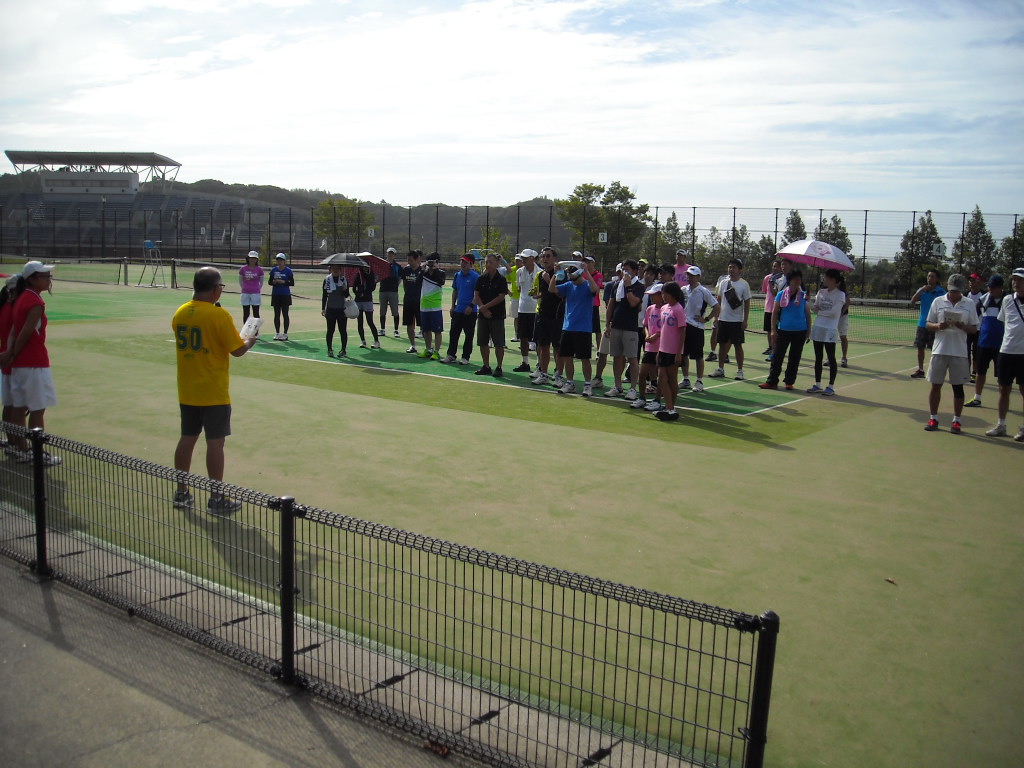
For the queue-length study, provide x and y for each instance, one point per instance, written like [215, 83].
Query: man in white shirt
[698, 300]
[525, 276]
[952, 318]
[1011, 352]
[734, 298]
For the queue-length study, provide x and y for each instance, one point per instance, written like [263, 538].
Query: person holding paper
[951, 318]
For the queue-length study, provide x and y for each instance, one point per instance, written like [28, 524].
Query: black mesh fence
[504, 660]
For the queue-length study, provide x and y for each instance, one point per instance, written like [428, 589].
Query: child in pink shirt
[652, 326]
[670, 348]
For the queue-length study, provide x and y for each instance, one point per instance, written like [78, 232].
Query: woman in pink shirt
[670, 348]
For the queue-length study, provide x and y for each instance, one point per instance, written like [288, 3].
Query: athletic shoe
[1019, 437]
[538, 374]
[11, 449]
[699, 386]
[484, 371]
[999, 430]
[790, 386]
[718, 373]
[815, 390]
[843, 363]
[540, 380]
[932, 425]
[767, 351]
[954, 428]
[918, 374]
[653, 406]
[828, 391]
[770, 358]
[711, 358]
[330, 353]
[515, 340]
[638, 403]
[183, 500]
[631, 395]
[533, 346]
[667, 416]
[362, 345]
[375, 345]
[419, 334]
[596, 383]
[342, 354]
[426, 353]
[223, 506]
[615, 392]
[24, 457]
[49, 460]
[558, 381]
[284, 337]
[523, 368]
[449, 359]
[436, 357]
[684, 384]
[725, 360]
[411, 349]
[588, 389]
[396, 335]
[497, 372]
[277, 337]
[767, 385]
[739, 374]
[975, 403]
[974, 378]
[650, 389]
[463, 361]
[568, 388]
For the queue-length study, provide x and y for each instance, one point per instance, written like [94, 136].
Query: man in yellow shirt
[205, 336]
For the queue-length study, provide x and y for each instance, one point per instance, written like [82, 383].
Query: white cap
[694, 270]
[281, 256]
[656, 288]
[34, 267]
[528, 253]
[1018, 272]
[253, 255]
[391, 250]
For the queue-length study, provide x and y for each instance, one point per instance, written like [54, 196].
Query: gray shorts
[958, 370]
[624, 343]
[389, 300]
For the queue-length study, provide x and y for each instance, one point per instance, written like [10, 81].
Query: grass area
[809, 508]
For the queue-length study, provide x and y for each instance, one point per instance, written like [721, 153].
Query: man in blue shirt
[463, 311]
[578, 291]
[926, 294]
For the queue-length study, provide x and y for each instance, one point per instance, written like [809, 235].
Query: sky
[901, 105]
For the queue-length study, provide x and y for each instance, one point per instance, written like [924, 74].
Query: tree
[341, 224]
[493, 239]
[764, 254]
[593, 210]
[834, 233]
[671, 239]
[975, 249]
[1011, 250]
[920, 250]
[795, 229]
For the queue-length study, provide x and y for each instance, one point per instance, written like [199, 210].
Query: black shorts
[527, 324]
[410, 314]
[923, 338]
[730, 333]
[767, 326]
[490, 329]
[693, 344]
[666, 360]
[983, 357]
[277, 300]
[1011, 370]
[650, 358]
[576, 344]
[547, 332]
[598, 325]
[215, 420]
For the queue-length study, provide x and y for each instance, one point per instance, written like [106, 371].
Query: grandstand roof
[146, 163]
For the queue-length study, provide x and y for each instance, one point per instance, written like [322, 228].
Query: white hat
[33, 267]
[694, 270]
[656, 288]
[1018, 272]
[618, 267]
[281, 256]
[253, 255]
[528, 253]
[391, 250]
[12, 281]
[577, 255]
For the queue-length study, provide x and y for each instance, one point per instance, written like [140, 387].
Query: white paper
[252, 327]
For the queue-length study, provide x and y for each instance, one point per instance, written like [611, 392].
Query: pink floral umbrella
[816, 253]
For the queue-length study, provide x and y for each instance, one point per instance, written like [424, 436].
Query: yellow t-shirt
[205, 337]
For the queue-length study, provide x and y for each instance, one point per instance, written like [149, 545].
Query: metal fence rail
[504, 660]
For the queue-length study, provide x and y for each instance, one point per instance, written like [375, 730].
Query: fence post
[37, 439]
[288, 589]
[764, 664]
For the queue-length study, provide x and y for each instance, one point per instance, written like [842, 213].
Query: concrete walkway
[83, 684]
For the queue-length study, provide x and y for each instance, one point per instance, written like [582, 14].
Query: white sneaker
[463, 361]
[396, 335]
[997, 431]
[631, 395]
[568, 388]
[718, 373]
[1019, 437]
[277, 337]
[284, 337]
[684, 384]
[376, 345]
[533, 346]
[638, 404]
[541, 380]
[699, 386]
[653, 406]
[449, 359]
[614, 392]
[587, 390]
[596, 383]
[558, 381]
[739, 375]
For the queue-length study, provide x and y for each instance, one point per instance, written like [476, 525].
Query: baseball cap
[591, 259]
[391, 250]
[995, 280]
[528, 253]
[34, 267]
[577, 255]
[469, 257]
[656, 288]
[253, 255]
[618, 267]
[1018, 272]
[693, 269]
[956, 283]
[281, 256]
[975, 276]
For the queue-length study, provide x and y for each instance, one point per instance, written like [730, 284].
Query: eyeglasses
[220, 285]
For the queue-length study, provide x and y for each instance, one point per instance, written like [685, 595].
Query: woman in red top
[32, 390]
